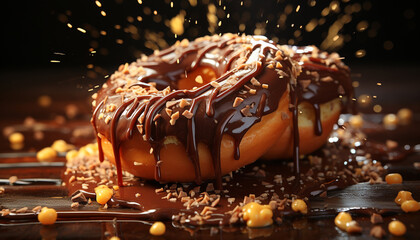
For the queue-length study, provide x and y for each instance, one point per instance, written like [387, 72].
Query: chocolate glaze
[235, 61]
[337, 166]
[334, 169]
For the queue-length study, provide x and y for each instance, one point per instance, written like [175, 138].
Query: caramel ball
[47, 216]
[393, 178]
[157, 229]
[397, 228]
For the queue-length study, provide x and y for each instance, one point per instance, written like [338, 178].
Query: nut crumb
[36, 209]
[377, 232]
[199, 79]
[12, 180]
[187, 114]
[238, 101]
[246, 111]
[22, 210]
[255, 82]
[74, 205]
[376, 218]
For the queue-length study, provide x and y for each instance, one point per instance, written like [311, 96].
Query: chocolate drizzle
[143, 91]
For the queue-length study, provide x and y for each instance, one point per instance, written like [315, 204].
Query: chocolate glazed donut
[154, 101]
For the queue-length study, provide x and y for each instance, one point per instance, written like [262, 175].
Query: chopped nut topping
[174, 117]
[110, 107]
[22, 210]
[72, 179]
[215, 202]
[171, 103]
[278, 65]
[214, 84]
[119, 90]
[377, 232]
[36, 209]
[238, 101]
[74, 205]
[108, 119]
[12, 180]
[183, 103]
[264, 86]
[168, 111]
[252, 91]
[255, 82]
[184, 42]
[140, 128]
[246, 111]
[199, 79]
[187, 114]
[80, 198]
[157, 116]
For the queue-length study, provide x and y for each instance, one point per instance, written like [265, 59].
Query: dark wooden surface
[19, 100]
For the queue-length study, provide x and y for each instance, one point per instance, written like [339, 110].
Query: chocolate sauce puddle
[331, 168]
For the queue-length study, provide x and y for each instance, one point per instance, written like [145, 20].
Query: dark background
[35, 30]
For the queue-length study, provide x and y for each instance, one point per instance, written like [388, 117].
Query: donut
[323, 93]
[200, 109]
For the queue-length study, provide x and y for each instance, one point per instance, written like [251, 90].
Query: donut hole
[197, 78]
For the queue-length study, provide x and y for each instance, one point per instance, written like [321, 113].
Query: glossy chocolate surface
[305, 73]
